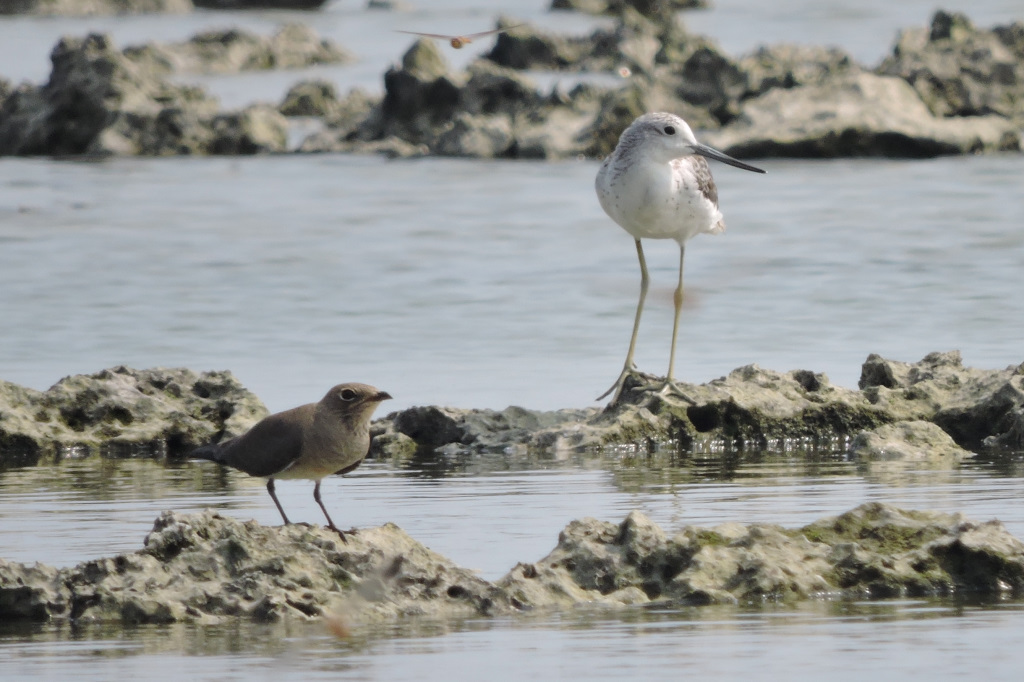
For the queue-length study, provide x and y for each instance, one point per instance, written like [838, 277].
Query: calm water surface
[484, 284]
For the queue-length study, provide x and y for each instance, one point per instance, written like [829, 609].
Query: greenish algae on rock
[178, 408]
[747, 409]
[206, 568]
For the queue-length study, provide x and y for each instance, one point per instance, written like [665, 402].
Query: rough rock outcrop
[99, 102]
[861, 114]
[259, 4]
[486, 112]
[177, 409]
[206, 568]
[951, 90]
[293, 46]
[82, 8]
[978, 408]
[311, 98]
[872, 551]
[960, 70]
[751, 408]
[789, 66]
[909, 441]
[649, 8]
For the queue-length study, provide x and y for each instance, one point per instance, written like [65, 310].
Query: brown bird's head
[354, 401]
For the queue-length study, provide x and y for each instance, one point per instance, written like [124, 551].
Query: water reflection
[819, 638]
[489, 511]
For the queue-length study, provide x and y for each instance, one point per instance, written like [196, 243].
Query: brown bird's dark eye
[348, 395]
[670, 130]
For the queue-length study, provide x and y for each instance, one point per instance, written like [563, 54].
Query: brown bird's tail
[213, 452]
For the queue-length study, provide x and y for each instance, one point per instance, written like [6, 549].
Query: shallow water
[82, 509]
[483, 284]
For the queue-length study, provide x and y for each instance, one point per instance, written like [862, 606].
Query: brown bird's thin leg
[330, 523]
[273, 496]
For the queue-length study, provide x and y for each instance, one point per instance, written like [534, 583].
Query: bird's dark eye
[670, 130]
[347, 394]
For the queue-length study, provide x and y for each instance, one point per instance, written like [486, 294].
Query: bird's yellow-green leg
[629, 366]
[677, 299]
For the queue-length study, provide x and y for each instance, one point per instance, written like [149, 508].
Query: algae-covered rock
[83, 8]
[751, 408]
[976, 407]
[960, 70]
[857, 114]
[918, 441]
[177, 407]
[293, 46]
[873, 551]
[207, 568]
[99, 102]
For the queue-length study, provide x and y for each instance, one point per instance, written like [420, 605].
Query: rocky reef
[949, 88]
[124, 411]
[752, 408]
[932, 408]
[206, 568]
[225, 51]
[99, 102]
[84, 8]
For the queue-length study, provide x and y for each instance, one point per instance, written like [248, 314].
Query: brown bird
[310, 441]
[458, 42]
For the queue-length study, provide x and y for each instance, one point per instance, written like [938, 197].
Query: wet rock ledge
[933, 409]
[123, 412]
[206, 568]
[935, 406]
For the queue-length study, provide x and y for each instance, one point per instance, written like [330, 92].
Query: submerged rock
[176, 408]
[206, 568]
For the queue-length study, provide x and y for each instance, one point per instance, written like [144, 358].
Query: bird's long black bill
[712, 153]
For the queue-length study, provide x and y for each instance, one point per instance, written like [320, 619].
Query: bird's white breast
[656, 200]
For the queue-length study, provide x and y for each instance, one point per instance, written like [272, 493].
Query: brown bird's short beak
[383, 395]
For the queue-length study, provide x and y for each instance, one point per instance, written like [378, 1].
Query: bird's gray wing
[705, 183]
[271, 446]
